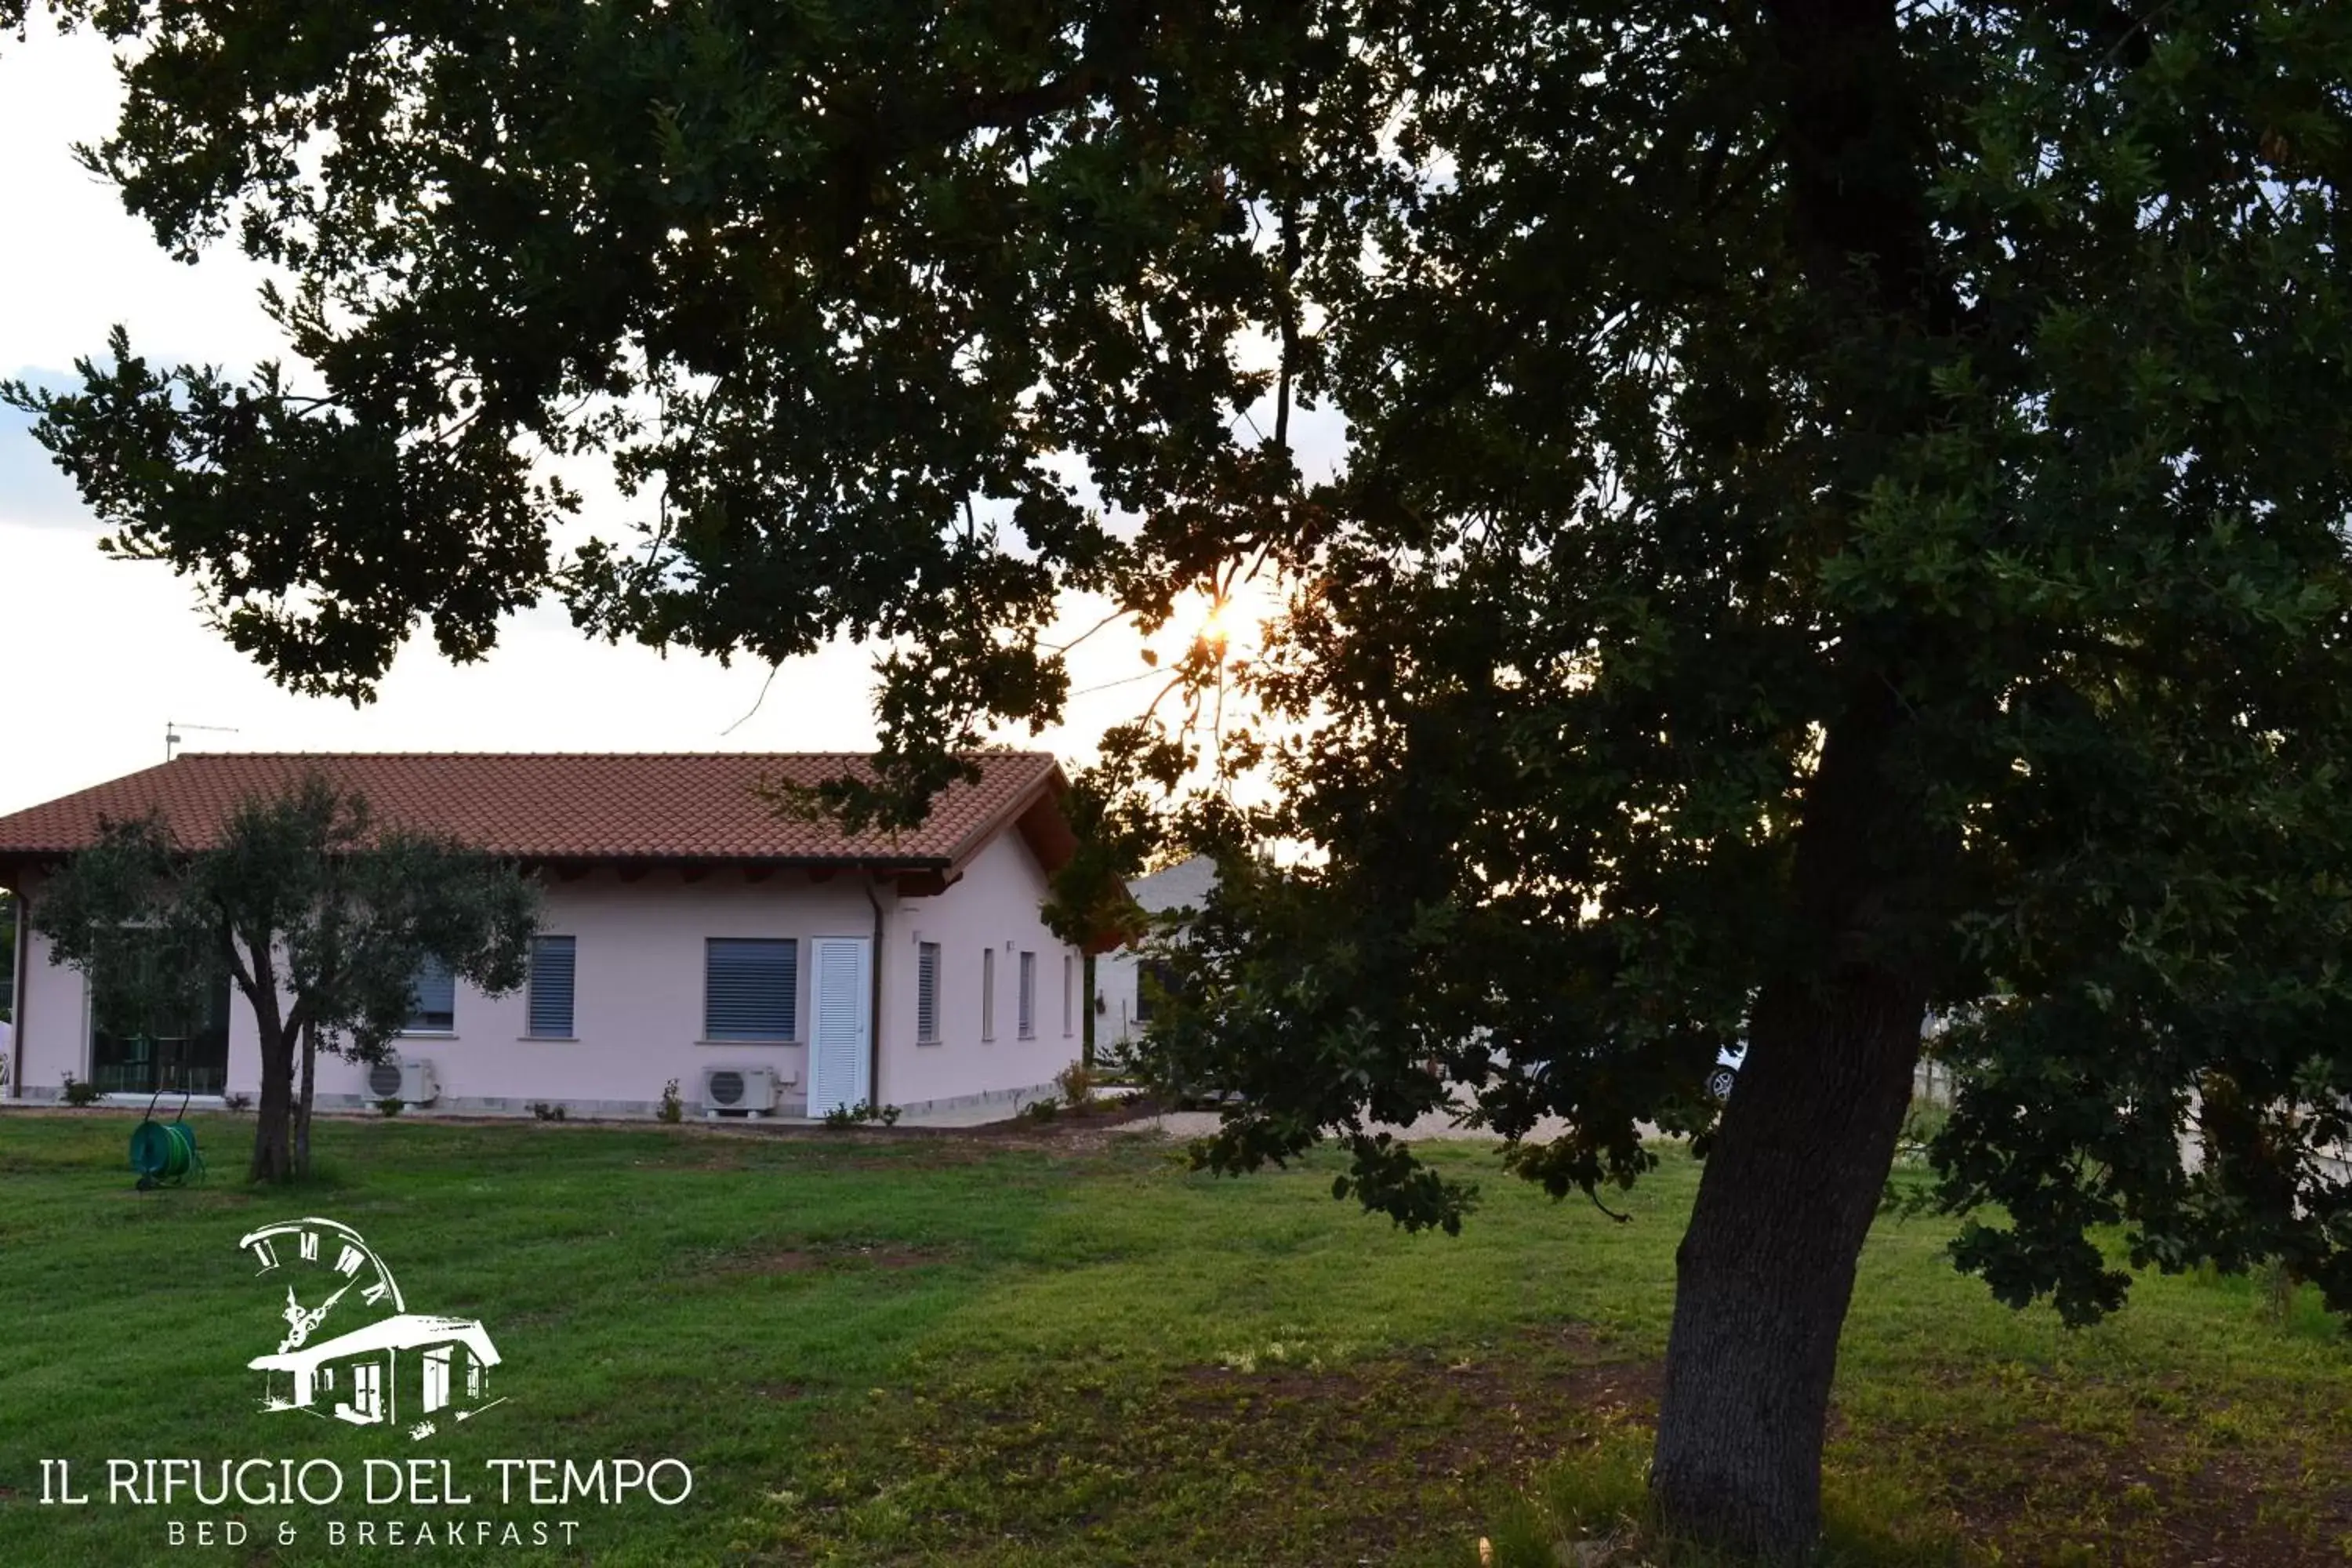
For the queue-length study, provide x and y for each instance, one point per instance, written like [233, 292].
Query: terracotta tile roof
[697, 806]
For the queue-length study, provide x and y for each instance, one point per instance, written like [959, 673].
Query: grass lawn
[1058, 1347]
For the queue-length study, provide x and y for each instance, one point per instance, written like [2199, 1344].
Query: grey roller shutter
[927, 991]
[552, 966]
[751, 989]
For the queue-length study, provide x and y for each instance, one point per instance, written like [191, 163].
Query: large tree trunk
[273, 1153]
[1766, 1271]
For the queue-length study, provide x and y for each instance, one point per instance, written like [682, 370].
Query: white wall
[637, 1001]
[996, 905]
[637, 994]
[1119, 974]
[51, 1022]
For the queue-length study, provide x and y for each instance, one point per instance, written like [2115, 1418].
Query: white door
[840, 1022]
[436, 1378]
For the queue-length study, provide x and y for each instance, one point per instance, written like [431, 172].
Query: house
[355, 1377]
[690, 932]
[1121, 1001]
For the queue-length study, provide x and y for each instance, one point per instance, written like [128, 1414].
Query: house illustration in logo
[390, 1365]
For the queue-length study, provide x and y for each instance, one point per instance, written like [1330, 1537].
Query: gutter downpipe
[20, 984]
[874, 1004]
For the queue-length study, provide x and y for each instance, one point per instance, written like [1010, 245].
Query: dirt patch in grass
[888, 1253]
[1278, 1454]
[1084, 1128]
[1260, 1460]
[725, 1164]
[784, 1261]
[810, 1257]
[2160, 1494]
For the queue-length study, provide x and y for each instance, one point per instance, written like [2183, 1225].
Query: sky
[97, 655]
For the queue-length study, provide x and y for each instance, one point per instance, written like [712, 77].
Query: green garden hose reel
[165, 1153]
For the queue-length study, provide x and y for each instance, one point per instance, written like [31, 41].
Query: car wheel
[1719, 1082]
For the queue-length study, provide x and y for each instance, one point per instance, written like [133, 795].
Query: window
[1155, 979]
[435, 1011]
[1027, 1001]
[143, 1039]
[551, 968]
[987, 994]
[751, 988]
[1069, 996]
[927, 992]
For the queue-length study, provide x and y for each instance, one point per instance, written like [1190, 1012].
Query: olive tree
[321, 916]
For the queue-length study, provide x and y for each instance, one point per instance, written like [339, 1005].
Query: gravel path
[1189, 1124]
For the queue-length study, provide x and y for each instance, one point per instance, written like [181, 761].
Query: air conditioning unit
[403, 1078]
[738, 1091]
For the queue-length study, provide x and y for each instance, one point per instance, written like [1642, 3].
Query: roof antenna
[172, 729]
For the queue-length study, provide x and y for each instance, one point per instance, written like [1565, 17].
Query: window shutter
[552, 963]
[988, 993]
[749, 989]
[927, 991]
[435, 1011]
[1028, 1000]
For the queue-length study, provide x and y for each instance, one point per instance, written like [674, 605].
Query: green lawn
[1059, 1347]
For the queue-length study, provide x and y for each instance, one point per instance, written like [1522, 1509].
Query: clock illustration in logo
[324, 1265]
[347, 1347]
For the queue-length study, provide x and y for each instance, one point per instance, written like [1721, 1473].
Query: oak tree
[1842, 513]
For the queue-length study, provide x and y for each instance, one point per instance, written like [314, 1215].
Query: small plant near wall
[1043, 1109]
[236, 1104]
[672, 1108]
[391, 1106]
[546, 1112]
[80, 1092]
[843, 1116]
[1076, 1083]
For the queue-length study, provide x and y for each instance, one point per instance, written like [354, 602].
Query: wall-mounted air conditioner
[738, 1091]
[404, 1078]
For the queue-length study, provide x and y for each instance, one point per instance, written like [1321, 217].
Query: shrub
[672, 1108]
[81, 1091]
[546, 1112]
[842, 1116]
[1076, 1083]
[391, 1106]
[237, 1103]
[1044, 1110]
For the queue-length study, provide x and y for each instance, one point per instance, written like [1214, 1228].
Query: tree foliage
[8, 954]
[1843, 511]
[319, 915]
